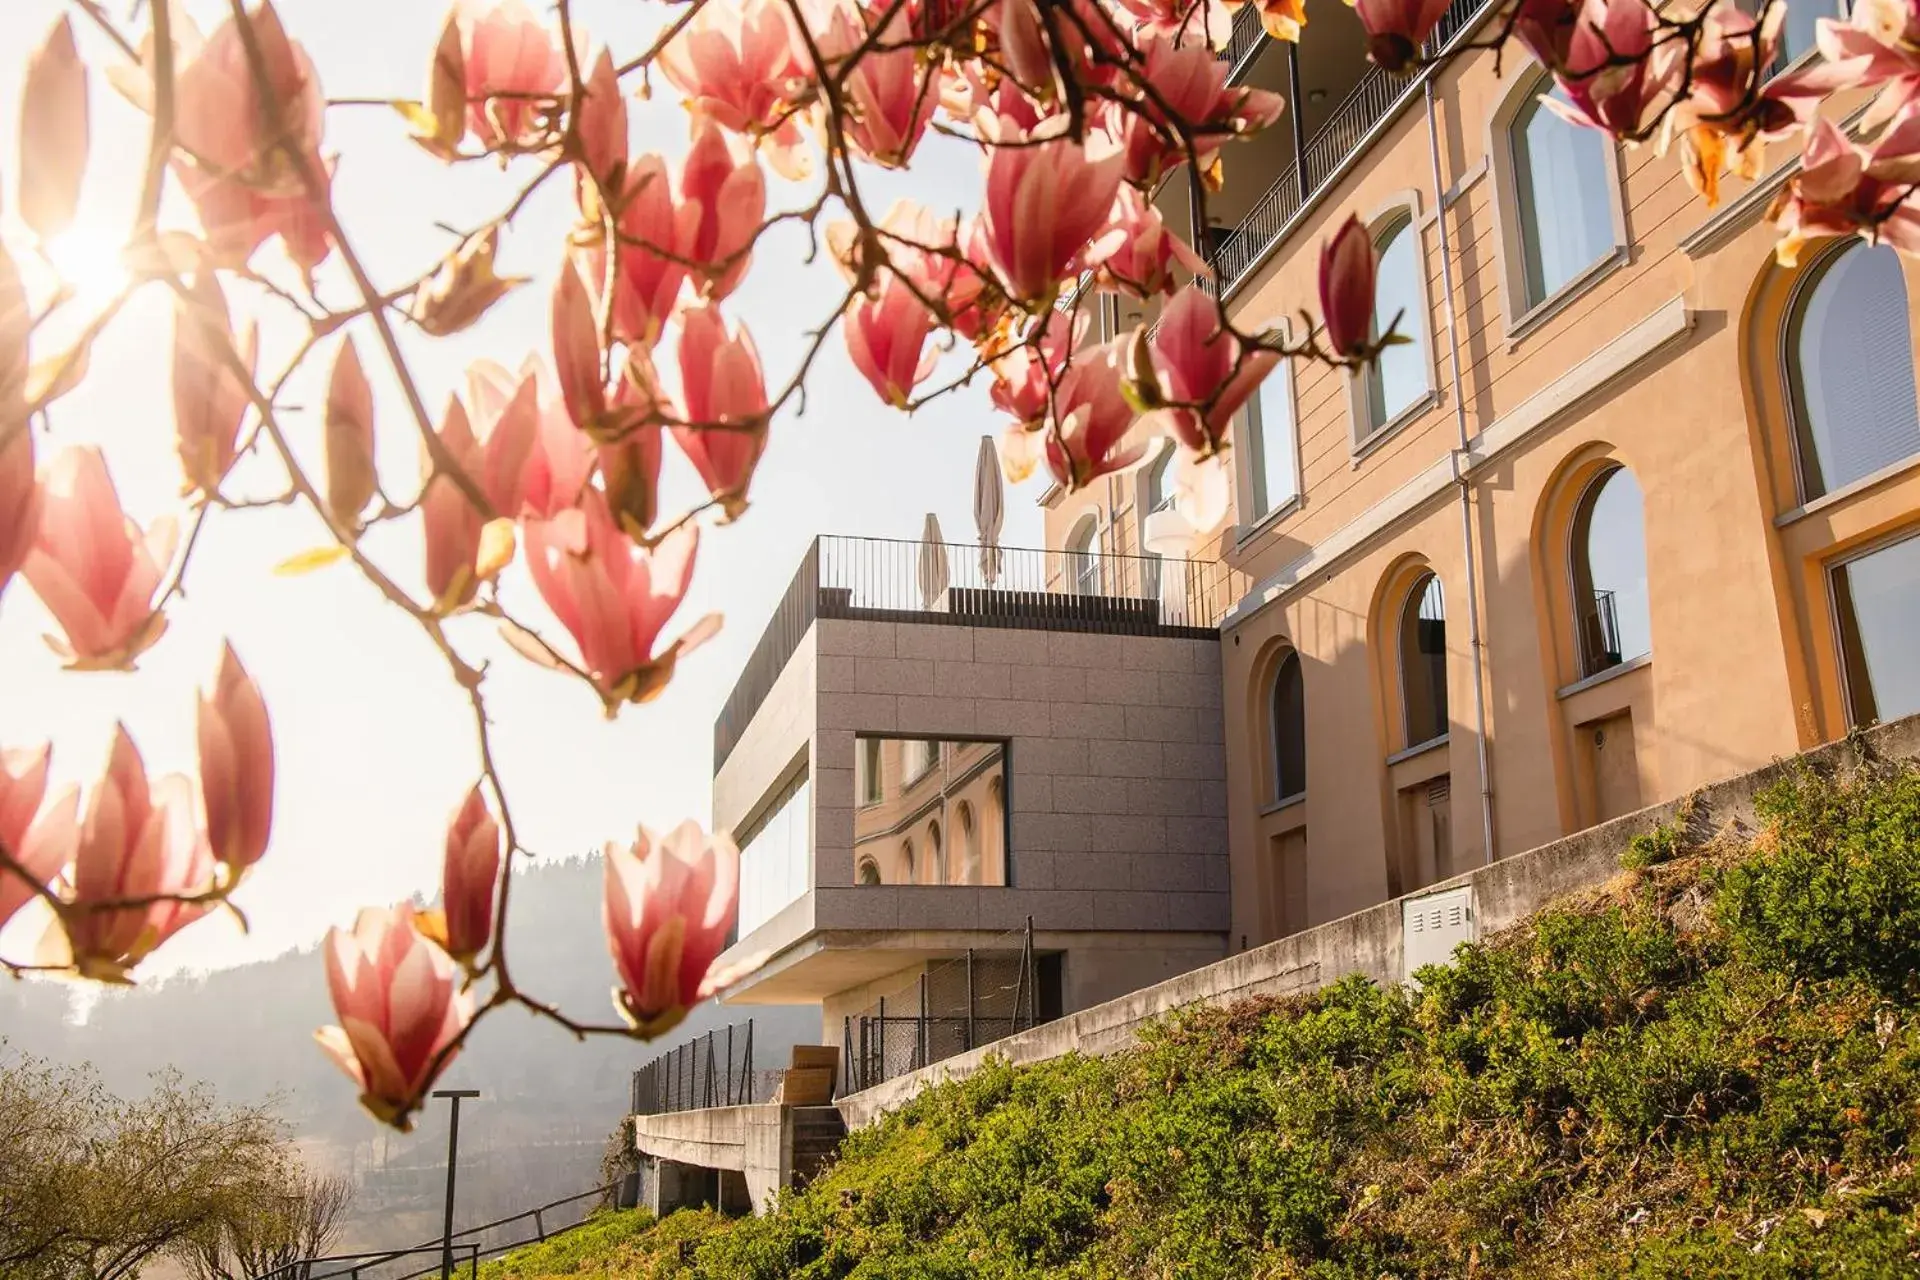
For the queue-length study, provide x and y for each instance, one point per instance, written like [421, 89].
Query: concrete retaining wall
[1372, 942]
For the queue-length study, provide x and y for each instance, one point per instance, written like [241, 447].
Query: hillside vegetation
[1708, 1068]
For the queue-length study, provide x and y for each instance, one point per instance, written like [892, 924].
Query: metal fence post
[882, 1052]
[920, 1028]
[539, 1224]
[969, 997]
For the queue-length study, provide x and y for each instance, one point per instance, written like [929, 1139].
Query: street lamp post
[453, 1160]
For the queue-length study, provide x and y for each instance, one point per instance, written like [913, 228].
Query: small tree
[95, 1187]
[293, 1218]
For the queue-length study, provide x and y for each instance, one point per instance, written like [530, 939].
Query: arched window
[1850, 368]
[1564, 193]
[937, 862]
[1398, 378]
[1289, 713]
[868, 767]
[1156, 494]
[1876, 599]
[906, 861]
[1423, 661]
[969, 845]
[1083, 557]
[869, 872]
[1609, 552]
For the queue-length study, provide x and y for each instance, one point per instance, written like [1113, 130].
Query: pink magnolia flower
[1732, 108]
[576, 350]
[1207, 25]
[1879, 45]
[468, 874]
[602, 115]
[670, 903]
[1397, 28]
[23, 784]
[555, 457]
[137, 842]
[251, 162]
[723, 399]
[1845, 189]
[936, 255]
[93, 568]
[236, 766]
[615, 598]
[1192, 82]
[890, 93]
[740, 64]
[53, 133]
[209, 401]
[19, 494]
[1023, 377]
[1616, 76]
[402, 1012]
[1022, 36]
[448, 518]
[515, 66]
[1546, 28]
[1093, 419]
[1043, 205]
[887, 339]
[1149, 254]
[722, 183]
[1348, 263]
[1203, 372]
[653, 232]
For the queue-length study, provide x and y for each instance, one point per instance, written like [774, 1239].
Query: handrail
[470, 1251]
[1374, 97]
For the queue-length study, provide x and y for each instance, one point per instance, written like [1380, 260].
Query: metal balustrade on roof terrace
[879, 580]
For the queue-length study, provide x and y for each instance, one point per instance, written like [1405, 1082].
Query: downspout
[1475, 645]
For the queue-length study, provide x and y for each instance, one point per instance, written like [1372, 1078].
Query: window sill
[1285, 802]
[1536, 316]
[1362, 448]
[1601, 677]
[1243, 534]
[1827, 501]
[1417, 749]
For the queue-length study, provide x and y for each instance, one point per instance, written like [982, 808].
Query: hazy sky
[374, 741]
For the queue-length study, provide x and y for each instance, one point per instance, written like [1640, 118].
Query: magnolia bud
[53, 133]
[351, 476]
[463, 288]
[1346, 288]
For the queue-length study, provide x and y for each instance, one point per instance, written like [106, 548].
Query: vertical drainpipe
[1476, 646]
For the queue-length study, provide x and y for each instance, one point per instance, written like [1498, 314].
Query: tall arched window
[937, 862]
[1083, 557]
[1289, 727]
[1398, 378]
[1609, 554]
[906, 860]
[869, 872]
[1850, 368]
[1272, 473]
[1563, 190]
[1423, 661]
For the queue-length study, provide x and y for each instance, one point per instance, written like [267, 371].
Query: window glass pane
[1157, 493]
[1798, 31]
[1877, 599]
[1423, 661]
[1852, 370]
[1399, 376]
[776, 863]
[940, 818]
[1270, 437]
[1566, 208]
[1610, 573]
[1289, 730]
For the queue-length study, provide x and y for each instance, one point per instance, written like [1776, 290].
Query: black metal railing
[986, 995]
[944, 583]
[467, 1246]
[1375, 96]
[713, 1070]
[1248, 37]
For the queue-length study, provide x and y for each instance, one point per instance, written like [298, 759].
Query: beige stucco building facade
[1625, 518]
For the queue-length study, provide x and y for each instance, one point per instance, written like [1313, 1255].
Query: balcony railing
[889, 580]
[1248, 36]
[1373, 98]
[713, 1070]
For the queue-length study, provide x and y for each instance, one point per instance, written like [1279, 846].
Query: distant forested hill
[547, 1105]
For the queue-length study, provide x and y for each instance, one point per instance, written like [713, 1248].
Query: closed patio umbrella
[933, 563]
[989, 508]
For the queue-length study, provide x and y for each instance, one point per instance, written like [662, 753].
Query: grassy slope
[1710, 1068]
